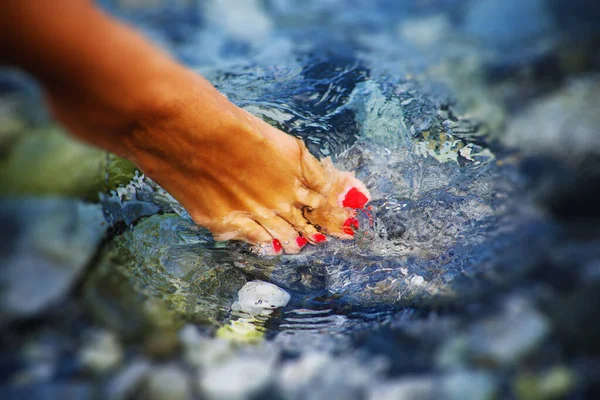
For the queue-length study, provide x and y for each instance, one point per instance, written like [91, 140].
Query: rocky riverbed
[476, 272]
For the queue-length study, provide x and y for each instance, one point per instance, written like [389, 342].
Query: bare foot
[235, 174]
[240, 177]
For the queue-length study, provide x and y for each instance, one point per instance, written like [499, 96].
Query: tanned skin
[235, 174]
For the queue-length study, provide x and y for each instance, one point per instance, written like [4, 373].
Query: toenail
[351, 223]
[301, 242]
[277, 246]
[348, 231]
[355, 199]
[319, 238]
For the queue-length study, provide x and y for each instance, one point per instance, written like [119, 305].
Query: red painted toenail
[351, 223]
[277, 246]
[355, 199]
[348, 231]
[319, 237]
[301, 242]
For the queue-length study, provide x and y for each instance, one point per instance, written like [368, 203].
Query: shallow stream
[478, 256]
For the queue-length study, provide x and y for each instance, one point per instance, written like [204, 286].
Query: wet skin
[234, 173]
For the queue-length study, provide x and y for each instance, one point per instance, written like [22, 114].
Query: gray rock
[468, 385]
[160, 274]
[322, 376]
[204, 352]
[508, 337]
[102, 352]
[562, 125]
[47, 244]
[238, 378]
[127, 381]
[408, 388]
[167, 382]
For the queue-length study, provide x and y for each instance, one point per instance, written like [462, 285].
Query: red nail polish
[351, 223]
[348, 231]
[319, 237]
[301, 242]
[355, 199]
[277, 246]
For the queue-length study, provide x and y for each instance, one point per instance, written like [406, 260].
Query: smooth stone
[127, 381]
[408, 388]
[47, 243]
[509, 336]
[239, 378]
[168, 382]
[203, 352]
[260, 298]
[102, 352]
[467, 385]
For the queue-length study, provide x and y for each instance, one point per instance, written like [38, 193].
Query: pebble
[260, 298]
[240, 378]
[168, 382]
[102, 352]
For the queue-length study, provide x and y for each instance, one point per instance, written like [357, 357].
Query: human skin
[235, 174]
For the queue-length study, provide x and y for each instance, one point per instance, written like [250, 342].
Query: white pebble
[261, 298]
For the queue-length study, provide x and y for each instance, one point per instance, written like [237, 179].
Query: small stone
[319, 375]
[508, 337]
[240, 378]
[127, 381]
[202, 352]
[555, 383]
[102, 352]
[167, 383]
[49, 242]
[467, 385]
[260, 298]
[409, 388]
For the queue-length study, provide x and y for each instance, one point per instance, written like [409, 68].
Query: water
[381, 103]
[463, 275]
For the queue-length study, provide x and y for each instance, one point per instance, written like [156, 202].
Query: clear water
[365, 86]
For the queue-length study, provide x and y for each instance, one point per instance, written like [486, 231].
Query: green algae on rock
[161, 274]
[47, 161]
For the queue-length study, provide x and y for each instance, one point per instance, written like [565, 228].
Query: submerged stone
[163, 273]
[46, 245]
[260, 298]
[62, 165]
[168, 382]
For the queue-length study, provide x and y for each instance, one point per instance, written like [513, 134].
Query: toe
[308, 197]
[283, 232]
[333, 220]
[241, 227]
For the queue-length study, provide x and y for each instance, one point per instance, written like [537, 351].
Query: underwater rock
[407, 388]
[102, 352]
[168, 382]
[506, 338]
[260, 298]
[46, 245]
[62, 165]
[562, 125]
[554, 383]
[203, 352]
[163, 273]
[323, 376]
[468, 385]
[559, 135]
[124, 384]
[239, 378]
